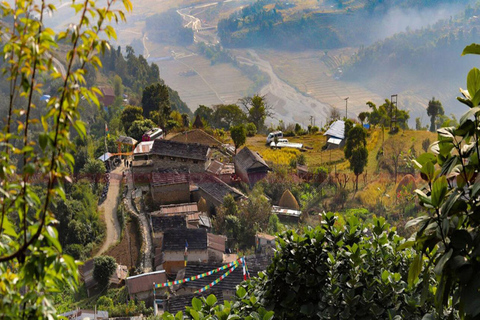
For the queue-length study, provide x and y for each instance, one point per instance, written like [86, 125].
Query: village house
[81, 314]
[169, 188]
[189, 157]
[264, 243]
[250, 166]
[227, 286]
[223, 171]
[140, 287]
[108, 96]
[213, 190]
[201, 247]
[197, 136]
[336, 135]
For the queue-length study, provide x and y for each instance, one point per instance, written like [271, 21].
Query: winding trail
[109, 207]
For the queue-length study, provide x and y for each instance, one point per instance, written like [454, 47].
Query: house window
[195, 161]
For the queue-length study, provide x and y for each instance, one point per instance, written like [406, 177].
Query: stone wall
[171, 194]
[194, 166]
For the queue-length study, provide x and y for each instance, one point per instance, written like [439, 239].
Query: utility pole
[346, 107]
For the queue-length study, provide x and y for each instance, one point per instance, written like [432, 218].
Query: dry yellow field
[316, 157]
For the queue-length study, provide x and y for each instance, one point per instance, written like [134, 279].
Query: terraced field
[314, 72]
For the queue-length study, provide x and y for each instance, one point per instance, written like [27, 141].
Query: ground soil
[126, 252]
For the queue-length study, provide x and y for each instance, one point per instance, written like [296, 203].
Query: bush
[351, 271]
[251, 129]
[103, 268]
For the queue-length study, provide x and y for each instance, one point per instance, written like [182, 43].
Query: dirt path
[109, 206]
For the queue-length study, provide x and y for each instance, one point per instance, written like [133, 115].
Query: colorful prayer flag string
[200, 276]
[211, 284]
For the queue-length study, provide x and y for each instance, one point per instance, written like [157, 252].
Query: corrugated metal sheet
[337, 130]
[216, 242]
[334, 141]
[176, 209]
[159, 179]
[143, 147]
[144, 282]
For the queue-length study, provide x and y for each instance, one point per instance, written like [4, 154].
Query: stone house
[250, 166]
[169, 188]
[213, 190]
[189, 157]
[202, 247]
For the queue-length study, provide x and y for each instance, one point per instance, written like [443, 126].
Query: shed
[336, 134]
[250, 166]
[141, 286]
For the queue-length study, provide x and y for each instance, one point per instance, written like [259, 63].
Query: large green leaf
[439, 190]
[473, 82]
[441, 263]
[415, 269]
[469, 114]
[471, 49]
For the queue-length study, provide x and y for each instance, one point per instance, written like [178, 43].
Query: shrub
[341, 271]
[103, 268]
[251, 129]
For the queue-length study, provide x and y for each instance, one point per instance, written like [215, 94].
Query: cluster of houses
[182, 181]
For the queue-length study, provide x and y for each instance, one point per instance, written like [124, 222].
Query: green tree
[155, 98]
[95, 169]
[205, 113]
[434, 109]
[103, 268]
[362, 116]
[356, 151]
[118, 86]
[129, 115]
[32, 263]
[239, 136]
[257, 110]
[251, 129]
[139, 127]
[226, 116]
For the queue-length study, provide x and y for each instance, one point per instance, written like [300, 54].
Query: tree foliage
[257, 110]
[129, 115]
[32, 264]
[103, 268]
[356, 151]
[434, 110]
[239, 135]
[139, 127]
[155, 98]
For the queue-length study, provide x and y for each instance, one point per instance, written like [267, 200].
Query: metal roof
[126, 140]
[334, 141]
[336, 130]
[143, 147]
[104, 157]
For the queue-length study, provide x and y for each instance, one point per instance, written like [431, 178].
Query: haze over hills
[307, 56]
